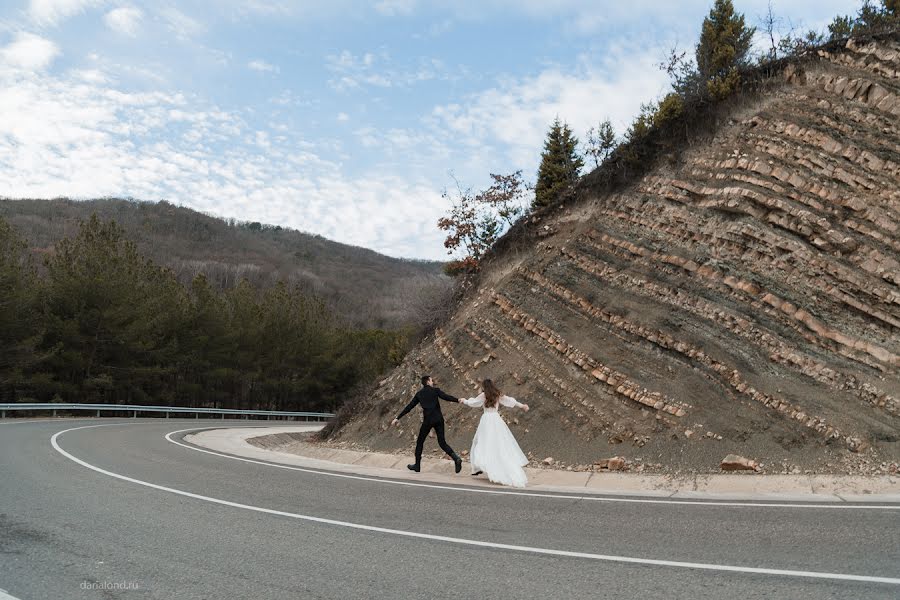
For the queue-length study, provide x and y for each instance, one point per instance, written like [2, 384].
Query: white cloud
[183, 26]
[290, 99]
[29, 51]
[343, 117]
[395, 7]
[51, 12]
[515, 115]
[67, 136]
[262, 66]
[124, 20]
[263, 7]
[95, 76]
[369, 69]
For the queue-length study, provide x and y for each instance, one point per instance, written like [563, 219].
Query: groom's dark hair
[425, 379]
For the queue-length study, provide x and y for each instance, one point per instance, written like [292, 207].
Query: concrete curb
[278, 445]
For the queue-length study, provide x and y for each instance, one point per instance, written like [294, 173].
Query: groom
[431, 419]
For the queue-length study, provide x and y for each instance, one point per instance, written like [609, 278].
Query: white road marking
[477, 543]
[4, 595]
[593, 497]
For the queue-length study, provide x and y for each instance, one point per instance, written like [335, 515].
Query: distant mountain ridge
[366, 288]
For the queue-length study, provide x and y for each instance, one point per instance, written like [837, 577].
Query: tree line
[714, 72]
[100, 323]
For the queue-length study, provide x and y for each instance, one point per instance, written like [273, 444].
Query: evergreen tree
[869, 18]
[840, 27]
[560, 164]
[874, 18]
[206, 348]
[19, 312]
[723, 49]
[244, 335]
[892, 8]
[112, 319]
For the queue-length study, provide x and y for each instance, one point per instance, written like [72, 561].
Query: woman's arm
[473, 402]
[511, 402]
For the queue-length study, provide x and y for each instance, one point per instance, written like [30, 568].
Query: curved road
[119, 511]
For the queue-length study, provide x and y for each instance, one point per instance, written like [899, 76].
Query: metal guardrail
[137, 408]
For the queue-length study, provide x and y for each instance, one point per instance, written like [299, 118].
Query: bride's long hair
[492, 394]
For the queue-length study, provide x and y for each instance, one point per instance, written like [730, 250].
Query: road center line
[478, 543]
[591, 497]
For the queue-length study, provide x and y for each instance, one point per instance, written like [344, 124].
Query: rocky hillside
[744, 298]
[368, 289]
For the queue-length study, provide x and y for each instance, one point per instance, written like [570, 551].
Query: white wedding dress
[494, 449]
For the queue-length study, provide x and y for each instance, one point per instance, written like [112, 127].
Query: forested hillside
[100, 322]
[363, 287]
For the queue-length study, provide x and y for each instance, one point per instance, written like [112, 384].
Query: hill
[367, 288]
[743, 296]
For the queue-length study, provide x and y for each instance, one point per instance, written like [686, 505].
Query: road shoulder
[281, 445]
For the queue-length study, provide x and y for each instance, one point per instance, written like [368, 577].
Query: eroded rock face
[753, 292]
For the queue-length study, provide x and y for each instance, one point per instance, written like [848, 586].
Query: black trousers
[423, 433]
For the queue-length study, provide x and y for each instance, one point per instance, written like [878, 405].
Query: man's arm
[446, 397]
[409, 407]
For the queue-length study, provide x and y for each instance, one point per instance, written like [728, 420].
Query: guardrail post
[2, 414]
[54, 412]
[223, 416]
[197, 415]
[98, 412]
[167, 414]
[134, 415]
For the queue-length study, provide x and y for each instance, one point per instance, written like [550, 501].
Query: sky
[341, 118]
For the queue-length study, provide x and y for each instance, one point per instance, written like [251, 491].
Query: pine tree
[19, 312]
[870, 18]
[560, 164]
[892, 7]
[840, 27]
[206, 348]
[112, 319]
[724, 46]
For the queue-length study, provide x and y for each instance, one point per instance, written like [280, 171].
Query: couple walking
[494, 449]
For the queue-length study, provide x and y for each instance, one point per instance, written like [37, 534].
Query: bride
[494, 449]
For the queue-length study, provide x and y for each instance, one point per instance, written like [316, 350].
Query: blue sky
[341, 118]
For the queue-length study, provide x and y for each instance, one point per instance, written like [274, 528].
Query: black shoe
[457, 463]
[414, 467]
[477, 473]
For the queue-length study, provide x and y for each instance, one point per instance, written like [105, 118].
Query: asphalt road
[213, 527]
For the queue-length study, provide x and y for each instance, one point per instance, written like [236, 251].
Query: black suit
[432, 418]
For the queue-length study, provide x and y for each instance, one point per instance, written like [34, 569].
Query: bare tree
[770, 26]
[475, 221]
